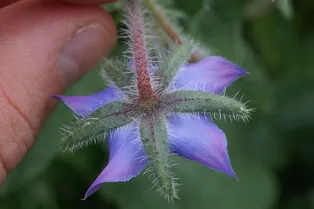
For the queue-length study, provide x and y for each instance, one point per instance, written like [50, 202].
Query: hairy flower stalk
[139, 51]
[163, 22]
[169, 29]
[150, 112]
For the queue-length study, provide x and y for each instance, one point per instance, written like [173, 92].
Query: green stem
[167, 27]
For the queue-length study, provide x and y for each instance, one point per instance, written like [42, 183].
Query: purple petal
[197, 138]
[212, 74]
[85, 105]
[127, 157]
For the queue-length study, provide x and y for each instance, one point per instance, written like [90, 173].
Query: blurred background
[273, 155]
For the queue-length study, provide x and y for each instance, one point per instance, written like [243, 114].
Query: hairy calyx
[155, 139]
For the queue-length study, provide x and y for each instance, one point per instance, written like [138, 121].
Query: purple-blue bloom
[85, 105]
[192, 136]
[207, 75]
[155, 109]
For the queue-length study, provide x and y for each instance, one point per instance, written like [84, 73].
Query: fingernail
[83, 52]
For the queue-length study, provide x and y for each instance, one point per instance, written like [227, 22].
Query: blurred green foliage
[272, 155]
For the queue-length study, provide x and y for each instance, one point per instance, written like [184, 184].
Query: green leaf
[92, 129]
[203, 102]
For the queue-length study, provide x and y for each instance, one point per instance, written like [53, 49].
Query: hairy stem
[163, 22]
[168, 28]
[139, 51]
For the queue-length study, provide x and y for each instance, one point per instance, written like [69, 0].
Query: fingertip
[83, 2]
[84, 50]
[36, 38]
[89, 2]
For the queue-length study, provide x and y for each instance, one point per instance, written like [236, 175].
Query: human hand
[45, 46]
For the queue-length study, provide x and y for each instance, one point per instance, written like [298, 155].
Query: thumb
[45, 46]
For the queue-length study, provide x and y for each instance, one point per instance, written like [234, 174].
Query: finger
[6, 2]
[87, 2]
[44, 48]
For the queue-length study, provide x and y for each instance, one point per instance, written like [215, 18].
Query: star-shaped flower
[150, 112]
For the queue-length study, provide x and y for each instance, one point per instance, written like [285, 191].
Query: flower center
[148, 105]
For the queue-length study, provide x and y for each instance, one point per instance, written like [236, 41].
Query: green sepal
[92, 129]
[203, 102]
[172, 63]
[155, 139]
[117, 71]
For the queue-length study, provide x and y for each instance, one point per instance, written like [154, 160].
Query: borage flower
[151, 112]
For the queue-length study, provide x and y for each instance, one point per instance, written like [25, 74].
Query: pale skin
[35, 63]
